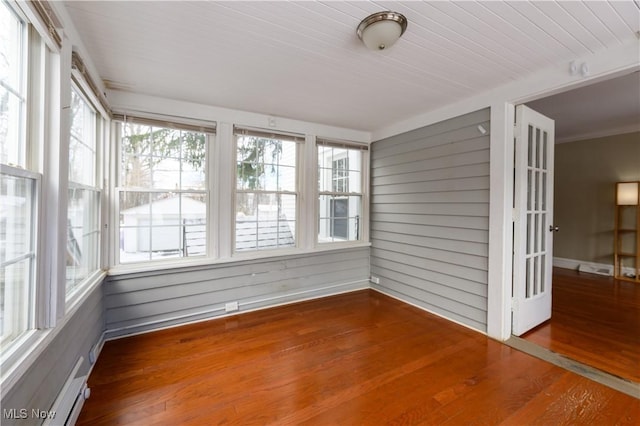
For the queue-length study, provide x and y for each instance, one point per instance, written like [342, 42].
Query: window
[340, 191]
[163, 192]
[17, 253]
[18, 186]
[266, 191]
[13, 75]
[83, 221]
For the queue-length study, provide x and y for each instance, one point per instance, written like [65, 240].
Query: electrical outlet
[231, 306]
[375, 280]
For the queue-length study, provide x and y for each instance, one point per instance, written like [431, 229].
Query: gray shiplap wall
[430, 217]
[39, 387]
[146, 301]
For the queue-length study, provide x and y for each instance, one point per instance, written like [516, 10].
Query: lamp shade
[381, 30]
[627, 193]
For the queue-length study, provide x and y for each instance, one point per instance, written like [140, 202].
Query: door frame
[501, 184]
[502, 216]
[501, 197]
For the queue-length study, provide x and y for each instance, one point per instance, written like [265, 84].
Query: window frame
[98, 130]
[22, 92]
[32, 254]
[33, 72]
[299, 140]
[186, 125]
[363, 219]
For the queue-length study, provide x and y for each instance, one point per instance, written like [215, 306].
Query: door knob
[553, 228]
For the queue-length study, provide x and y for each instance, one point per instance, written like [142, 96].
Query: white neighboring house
[159, 226]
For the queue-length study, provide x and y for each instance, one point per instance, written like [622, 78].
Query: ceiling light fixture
[381, 30]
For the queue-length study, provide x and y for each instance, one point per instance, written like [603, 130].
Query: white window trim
[32, 71]
[24, 84]
[78, 85]
[364, 194]
[34, 254]
[301, 142]
[221, 178]
[173, 264]
[207, 128]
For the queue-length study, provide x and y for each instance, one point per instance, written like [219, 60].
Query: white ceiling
[303, 60]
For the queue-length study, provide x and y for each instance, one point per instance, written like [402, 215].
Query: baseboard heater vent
[600, 270]
[70, 400]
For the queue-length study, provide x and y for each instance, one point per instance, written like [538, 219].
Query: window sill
[80, 292]
[16, 360]
[235, 258]
[19, 358]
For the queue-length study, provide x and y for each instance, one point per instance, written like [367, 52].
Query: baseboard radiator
[70, 400]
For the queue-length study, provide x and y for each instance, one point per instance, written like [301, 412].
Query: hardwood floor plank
[595, 320]
[358, 358]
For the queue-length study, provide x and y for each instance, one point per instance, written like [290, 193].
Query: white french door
[533, 220]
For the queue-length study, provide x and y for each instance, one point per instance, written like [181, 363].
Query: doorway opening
[594, 318]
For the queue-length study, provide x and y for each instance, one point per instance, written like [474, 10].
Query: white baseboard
[574, 264]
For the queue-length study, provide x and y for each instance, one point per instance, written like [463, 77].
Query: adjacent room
[340, 212]
[595, 317]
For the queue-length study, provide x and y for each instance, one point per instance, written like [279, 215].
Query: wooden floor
[595, 320]
[355, 359]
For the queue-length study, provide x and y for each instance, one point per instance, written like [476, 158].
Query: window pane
[16, 255]
[340, 174]
[82, 144]
[134, 146]
[166, 173]
[162, 158]
[339, 218]
[354, 172]
[81, 163]
[12, 74]
[193, 160]
[11, 29]
[135, 221]
[194, 225]
[83, 235]
[83, 214]
[171, 223]
[265, 164]
[265, 220]
[339, 169]
[12, 146]
[287, 178]
[161, 225]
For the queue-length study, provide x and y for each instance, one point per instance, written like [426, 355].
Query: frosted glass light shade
[381, 30]
[627, 193]
[381, 35]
